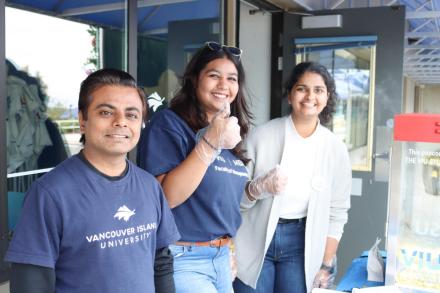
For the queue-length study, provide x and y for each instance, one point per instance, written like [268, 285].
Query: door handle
[384, 155]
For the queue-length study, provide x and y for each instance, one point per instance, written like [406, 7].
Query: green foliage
[55, 112]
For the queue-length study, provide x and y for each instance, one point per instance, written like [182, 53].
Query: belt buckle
[218, 242]
[213, 244]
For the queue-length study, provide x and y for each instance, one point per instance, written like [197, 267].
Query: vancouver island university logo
[125, 236]
[124, 213]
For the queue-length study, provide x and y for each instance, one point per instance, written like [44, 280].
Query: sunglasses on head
[214, 46]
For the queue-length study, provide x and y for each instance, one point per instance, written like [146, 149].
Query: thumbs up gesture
[224, 130]
[222, 133]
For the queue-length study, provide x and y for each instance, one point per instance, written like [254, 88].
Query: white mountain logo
[124, 213]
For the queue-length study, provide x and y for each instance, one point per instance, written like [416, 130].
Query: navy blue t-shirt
[99, 235]
[213, 210]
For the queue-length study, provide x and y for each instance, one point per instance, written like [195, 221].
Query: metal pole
[132, 49]
[3, 175]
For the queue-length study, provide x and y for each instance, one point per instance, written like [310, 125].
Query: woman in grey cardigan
[290, 232]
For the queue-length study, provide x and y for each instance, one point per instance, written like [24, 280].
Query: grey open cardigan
[327, 209]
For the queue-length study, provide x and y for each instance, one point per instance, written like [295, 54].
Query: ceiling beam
[422, 14]
[421, 75]
[303, 4]
[421, 56]
[432, 46]
[419, 69]
[422, 6]
[148, 16]
[336, 4]
[115, 6]
[426, 22]
[422, 35]
[423, 63]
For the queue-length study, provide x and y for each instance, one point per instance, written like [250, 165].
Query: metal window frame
[3, 180]
[132, 30]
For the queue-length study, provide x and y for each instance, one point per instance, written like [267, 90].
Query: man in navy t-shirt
[97, 223]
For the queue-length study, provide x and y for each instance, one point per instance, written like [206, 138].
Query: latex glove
[325, 278]
[222, 133]
[269, 184]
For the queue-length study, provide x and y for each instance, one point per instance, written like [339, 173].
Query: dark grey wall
[3, 191]
[368, 213]
[387, 23]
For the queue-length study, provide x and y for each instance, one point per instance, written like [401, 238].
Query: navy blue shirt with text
[213, 210]
[99, 235]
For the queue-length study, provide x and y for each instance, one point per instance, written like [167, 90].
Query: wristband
[208, 143]
[217, 150]
[252, 197]
[328, 269]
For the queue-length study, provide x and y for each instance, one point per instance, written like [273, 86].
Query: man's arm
[27, 278]
[163, 271]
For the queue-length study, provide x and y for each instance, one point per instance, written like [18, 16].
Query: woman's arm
[331, 247]
[326, 275]
[182, 181]
[222, 133]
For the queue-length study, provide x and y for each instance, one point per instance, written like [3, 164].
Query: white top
[298, 151]
[326, 212]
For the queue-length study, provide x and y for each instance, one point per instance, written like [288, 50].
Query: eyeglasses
[214, 46]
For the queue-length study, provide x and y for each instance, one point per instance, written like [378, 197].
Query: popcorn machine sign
[419, 268]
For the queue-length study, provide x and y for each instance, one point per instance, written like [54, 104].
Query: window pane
[352, 67]
[47, 58]
[168, 36]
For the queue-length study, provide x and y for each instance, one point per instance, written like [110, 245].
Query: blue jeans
[283, 267]
[201, 269]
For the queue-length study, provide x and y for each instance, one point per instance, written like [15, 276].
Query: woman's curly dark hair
[326, 115]
[187, 106]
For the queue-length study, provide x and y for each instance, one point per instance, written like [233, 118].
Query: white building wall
[430, 97]
[409, 93]
[255, 41]
[4, 288]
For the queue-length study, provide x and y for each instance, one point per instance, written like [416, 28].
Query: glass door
[351, 61]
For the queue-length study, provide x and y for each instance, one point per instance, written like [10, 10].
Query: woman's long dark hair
[326, 115]
[187, 106]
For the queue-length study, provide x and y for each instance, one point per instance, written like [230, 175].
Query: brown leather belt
[218, 242]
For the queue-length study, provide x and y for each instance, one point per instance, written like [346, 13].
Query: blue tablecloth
[356, 275]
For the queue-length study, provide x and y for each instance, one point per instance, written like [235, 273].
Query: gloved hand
[269, 184]
[222, 133]
[325, 278]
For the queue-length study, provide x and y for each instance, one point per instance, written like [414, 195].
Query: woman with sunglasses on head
[194, 150]
[292, 224]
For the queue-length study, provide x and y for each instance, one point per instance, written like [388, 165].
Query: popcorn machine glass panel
[413, 234]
